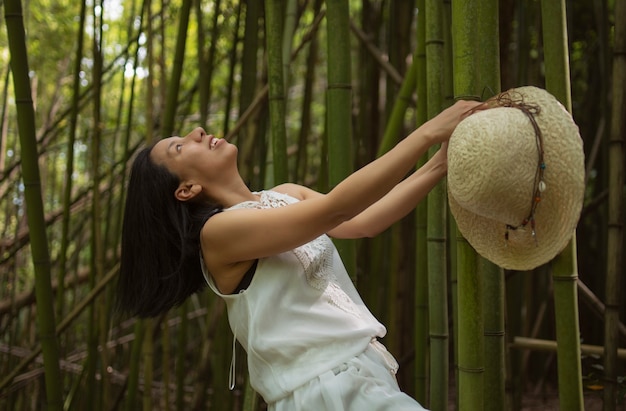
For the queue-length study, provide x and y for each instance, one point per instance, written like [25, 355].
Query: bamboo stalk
[67, 194]
[339, 109]
[615, 228]
[492, 275]
[147, 354]
[565, 270]
[181, 341]
[469, 294]
[132, 384]
[291, 21]
[40, 254]
[150, 80]
[273, 33]
[232, 69]
[437, 213]
[305, 132]
[96, 242]
[171, 102]
[249, 69]
[206, 62]
[421, 266]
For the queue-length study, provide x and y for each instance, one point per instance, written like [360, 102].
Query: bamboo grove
[309, 90]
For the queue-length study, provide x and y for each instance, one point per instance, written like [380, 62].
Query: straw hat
[516, 206]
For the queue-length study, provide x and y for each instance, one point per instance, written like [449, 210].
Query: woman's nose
[197, 134]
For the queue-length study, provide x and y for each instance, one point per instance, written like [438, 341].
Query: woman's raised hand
[439, 128]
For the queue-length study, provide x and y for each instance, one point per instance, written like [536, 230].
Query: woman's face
[197, 157]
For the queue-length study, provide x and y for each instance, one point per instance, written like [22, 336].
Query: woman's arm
[242, 235]
[396, 204]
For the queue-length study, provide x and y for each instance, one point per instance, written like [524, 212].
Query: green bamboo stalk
[392, 285]
[492, 275]
[132, 389]
[232, 69]
[203, 362]
[166, 358]
[171, 101]
[471, 325]
[278, 132]
[206, 63]
[469, 283]
[34, 203]
[221, 356]
[305, 122]
[69, 170]
[399, 17]
[615, 212]
[250, 398]
[448, 91]
[565, 269]
[97, 255]
[147, 351]
[366, 125]
[291, 20]
[133, 374]
[421, 250]
[181, 355]
[249, 61]
[494, 335]
[4, 118]
[149, 46]
[339, 109]
[436, 229]
[145, 356]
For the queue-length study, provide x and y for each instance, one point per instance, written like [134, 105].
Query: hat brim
[556, 215]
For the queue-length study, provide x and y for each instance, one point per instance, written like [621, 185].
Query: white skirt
[366, 382]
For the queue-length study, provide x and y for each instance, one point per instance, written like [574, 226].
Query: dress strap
[231, 371]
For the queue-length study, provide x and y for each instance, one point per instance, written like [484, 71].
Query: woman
[190, 220]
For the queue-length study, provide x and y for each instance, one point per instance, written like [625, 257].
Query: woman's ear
[187, 191]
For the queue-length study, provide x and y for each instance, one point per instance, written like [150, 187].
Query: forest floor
[548, 400]
[533, 402]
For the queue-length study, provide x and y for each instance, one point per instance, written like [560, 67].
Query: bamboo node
[473, 370]
[565, 278]
[347, 86]
[494, 333]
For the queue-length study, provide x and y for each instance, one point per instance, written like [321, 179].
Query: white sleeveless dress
[309, 338]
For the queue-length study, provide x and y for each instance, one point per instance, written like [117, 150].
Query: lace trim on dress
[315, 256]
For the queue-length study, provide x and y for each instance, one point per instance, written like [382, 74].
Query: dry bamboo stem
[536, 344]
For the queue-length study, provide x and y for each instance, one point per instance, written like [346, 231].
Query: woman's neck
[234, 193]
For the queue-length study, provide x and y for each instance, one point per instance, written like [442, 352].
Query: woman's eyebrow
[169, 146]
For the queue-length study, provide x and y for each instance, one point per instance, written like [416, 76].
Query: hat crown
[494, 170]
[496, 162]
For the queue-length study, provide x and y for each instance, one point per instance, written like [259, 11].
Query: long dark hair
[160, 262]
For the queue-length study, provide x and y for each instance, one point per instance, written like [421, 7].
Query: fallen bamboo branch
[596, 305]
[536, 344]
